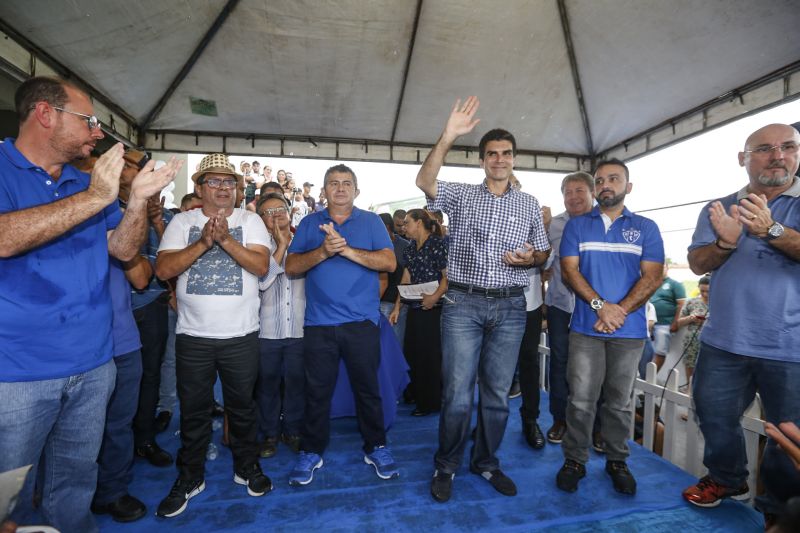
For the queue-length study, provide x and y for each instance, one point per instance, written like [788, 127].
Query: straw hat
[216, 163]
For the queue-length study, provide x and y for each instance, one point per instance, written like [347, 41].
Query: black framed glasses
[216, 183]
[92, 121]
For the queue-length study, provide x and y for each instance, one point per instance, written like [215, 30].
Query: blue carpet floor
[346, 495]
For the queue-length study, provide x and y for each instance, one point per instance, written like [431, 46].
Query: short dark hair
[497, 134]
[578, 176]
[39, 89]
[388, 221]
[188, 198]
[705, 280]
[399, 213]
[344, 169]
[613, 161]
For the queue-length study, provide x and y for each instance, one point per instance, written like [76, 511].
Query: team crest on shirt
[631, 235]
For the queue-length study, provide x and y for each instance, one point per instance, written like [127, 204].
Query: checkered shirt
[483, 227]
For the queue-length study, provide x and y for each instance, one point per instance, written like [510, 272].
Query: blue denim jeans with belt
[481, 337]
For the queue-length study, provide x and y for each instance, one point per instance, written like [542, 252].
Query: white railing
[686, 453]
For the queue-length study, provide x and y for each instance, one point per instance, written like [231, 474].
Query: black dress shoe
[125, 509]
[420, 412]
[442, 486]
[154, 454]
[533, 435]
[162, 421]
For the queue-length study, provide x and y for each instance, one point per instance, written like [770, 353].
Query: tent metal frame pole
[63, 71]
[406, 69]
[187, 67]
[734, 94]
[576, 78]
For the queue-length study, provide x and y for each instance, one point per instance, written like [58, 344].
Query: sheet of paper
[415, 292]
[10, 484]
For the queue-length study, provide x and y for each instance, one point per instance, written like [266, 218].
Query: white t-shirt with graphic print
[217, 298]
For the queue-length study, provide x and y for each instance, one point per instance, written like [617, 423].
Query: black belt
[504, 292]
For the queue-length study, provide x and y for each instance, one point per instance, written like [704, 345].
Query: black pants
[423, 349]
[529, 365]
[197, 362]
[358, 344]
[153, 330]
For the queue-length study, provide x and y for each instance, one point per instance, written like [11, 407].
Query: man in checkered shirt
[496, 234]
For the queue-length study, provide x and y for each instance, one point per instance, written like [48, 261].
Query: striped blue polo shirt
[610, 262]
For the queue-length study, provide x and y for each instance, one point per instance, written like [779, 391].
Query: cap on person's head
[216, 163]
[308, 184]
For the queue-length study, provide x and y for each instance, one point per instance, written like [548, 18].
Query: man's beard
[610, 201]
[774, 181]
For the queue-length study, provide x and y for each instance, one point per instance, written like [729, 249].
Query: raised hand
[727, 226]
[462, 118]
[149, 181]
[521, 257]
[755, 214]
[105, 175]
[155, 207]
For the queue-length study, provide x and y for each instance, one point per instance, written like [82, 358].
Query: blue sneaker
[381, 459]
[303, 472]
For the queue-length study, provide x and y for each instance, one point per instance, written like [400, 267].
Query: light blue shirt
[754, 297]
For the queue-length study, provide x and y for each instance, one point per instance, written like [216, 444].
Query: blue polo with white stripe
[611, 263]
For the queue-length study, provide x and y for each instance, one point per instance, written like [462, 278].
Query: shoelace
[306, 461]
[382, 455]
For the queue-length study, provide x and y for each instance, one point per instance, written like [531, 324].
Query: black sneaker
[175, 502]
[621, 476]
[570, 474]
[442, 486]
[501, 482]
[254, 479]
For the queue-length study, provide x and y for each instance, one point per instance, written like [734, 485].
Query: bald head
[770, 157]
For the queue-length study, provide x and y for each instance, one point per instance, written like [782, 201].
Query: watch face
[775, 230]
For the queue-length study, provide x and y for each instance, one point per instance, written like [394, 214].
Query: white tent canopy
[375, 79]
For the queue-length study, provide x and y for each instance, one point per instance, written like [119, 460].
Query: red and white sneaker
[709, 493]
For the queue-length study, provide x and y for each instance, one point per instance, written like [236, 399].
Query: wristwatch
[774, 231]
[597, 304]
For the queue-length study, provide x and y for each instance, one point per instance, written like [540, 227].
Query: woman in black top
[425, 261]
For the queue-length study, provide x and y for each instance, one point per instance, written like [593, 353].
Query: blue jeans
[280, 358]
[723, 386]
[115, 462]
[480, 339]
[59, 421]
[558, 337]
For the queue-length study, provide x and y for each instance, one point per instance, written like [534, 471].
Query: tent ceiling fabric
[337, 69]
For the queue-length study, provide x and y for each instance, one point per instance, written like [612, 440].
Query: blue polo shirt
[338, 290]
[610, 262]
[55, 308]
[124, 330]
[754, 297]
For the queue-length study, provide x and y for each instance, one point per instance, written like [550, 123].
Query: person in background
[692, 317]
[389, 296]
[425, 260]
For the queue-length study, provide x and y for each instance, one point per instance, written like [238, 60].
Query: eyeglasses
[273, 211]
[91, 120]
[216, 183]
[786, 148]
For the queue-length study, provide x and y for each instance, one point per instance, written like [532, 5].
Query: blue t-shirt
[754, 297]
[338, 290]
[55, 307]
[611, 263]
[123, 325]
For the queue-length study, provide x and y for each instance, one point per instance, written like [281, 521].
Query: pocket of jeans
[452, 298]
